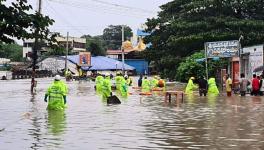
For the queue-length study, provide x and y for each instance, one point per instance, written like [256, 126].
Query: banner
[222, 49]
[84, 59]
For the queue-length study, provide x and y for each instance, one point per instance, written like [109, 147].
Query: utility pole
[123, 55]
[67, 51]
[34, 52]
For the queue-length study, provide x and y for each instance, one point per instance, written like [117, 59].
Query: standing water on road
[140, 122]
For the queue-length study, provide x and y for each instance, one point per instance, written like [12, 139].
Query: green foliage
[11, 51]
[55, 51]
[16, 21]
[96, 49]
[182, 27]
[95, 44]
[113, 36]
[190, 67]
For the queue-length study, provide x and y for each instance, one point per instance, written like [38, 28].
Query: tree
[11, 51]
[95, 44]
[17, 22]
[96, 49]
[112, 35]
[191, 67]
[55, 51]
[182, 27]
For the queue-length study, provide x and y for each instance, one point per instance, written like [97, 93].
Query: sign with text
[85, 59]
[222, 49]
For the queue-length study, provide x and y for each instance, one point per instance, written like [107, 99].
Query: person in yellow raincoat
[118, 80]
[190, 86]
[106, 87]
[154, 82]
[56, 95]
[212, 88]
[129, 80]
[146, 85]
[123, 88]
[99, 83]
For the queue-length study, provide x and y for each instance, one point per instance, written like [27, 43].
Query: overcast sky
[81, 17]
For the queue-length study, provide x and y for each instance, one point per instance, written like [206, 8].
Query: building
[75, 44]
[98, 64]
[131, 53]
[251, 58]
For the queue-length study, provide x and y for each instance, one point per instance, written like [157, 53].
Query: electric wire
[105, 9]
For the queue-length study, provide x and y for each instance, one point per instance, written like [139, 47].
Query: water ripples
[140, 122]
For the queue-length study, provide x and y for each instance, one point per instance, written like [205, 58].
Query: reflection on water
[211, 100]
[140, 122]
[56, 122]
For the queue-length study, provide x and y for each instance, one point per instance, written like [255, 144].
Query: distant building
[251, 58]
[75, 44]
[131, 52]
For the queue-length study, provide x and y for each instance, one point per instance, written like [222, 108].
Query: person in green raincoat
[106, 87]
[190, 86]
[129, 80]
[146, 85]
[99, 83]
[123, 87]
[212, 88]
[56, 95]
[154, 82]
[118, 80]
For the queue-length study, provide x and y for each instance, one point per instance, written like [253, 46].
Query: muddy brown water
[140, 122]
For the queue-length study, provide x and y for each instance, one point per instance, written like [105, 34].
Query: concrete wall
[255, 59]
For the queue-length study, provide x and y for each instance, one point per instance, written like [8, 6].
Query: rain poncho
[190, 87]
[106, 88]
[145, 85]
[118, 80]
[154, 83]
[129, 81]
[123, 88]
[56, 92]
[212, 88]
[99, 83]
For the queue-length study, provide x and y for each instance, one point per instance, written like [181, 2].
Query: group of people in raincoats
[205, 87]
[104, 85]
[148, 85]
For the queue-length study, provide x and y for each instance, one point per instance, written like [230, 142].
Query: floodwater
[138, 123]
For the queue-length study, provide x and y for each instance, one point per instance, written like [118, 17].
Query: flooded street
[140, 122]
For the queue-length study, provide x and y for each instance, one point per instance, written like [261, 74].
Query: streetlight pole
[122, 48]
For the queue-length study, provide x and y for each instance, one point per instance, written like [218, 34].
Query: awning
[101, 63]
